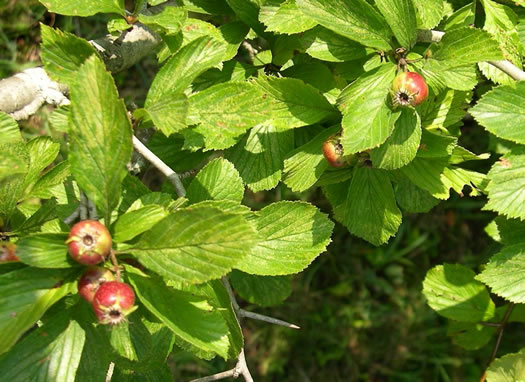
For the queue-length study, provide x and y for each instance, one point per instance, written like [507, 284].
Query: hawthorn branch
[172, 176]
[504, 65]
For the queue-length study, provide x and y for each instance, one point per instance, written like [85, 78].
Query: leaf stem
[498, 339]
[116, 267]
[262, 317]
[172, 176]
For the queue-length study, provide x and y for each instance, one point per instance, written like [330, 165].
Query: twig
[83, 206]
[498, 339]
[262, 317]
[242, 368]
[116, 267]
[504, 65]
[163, 167]
[92, 210]
[109, 374]
[74, 216]
[216, 377]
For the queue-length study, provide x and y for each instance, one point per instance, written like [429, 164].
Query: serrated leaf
[426, 174]
[183, 67]
[367, 117]
[45, 213]
[225, 111]
[169, 114]
[463, 17]
[401, 17]
[469, 335]
[428, 13]
[259, 156]
[190, 317]
[44, 250]
[505, 188]
[9, 130]
[402, 146]
[11, 164]
[304, 166]
[169, 21]
[445, 110]
[293, 103]
[51, 178]
[324, 44]
[169, 149]
[284, 17]
[218, 180]
[457, 178]
[42, 152]
[137, 221]
[357, 21]
[212, 7]
[291, 236]
[60, 118]
[63, 53]
[508, 231]
[76, 8]
[413, 199]
[261, 290]
[100, 136]
[25, 295]
[435, 144]
[504, 273]
[501, 112]
[371, 211]
[509, 368]
[12, 185]
[50, 353]
[452, 291]
[464, 46]
[196, 244]
[248, 12]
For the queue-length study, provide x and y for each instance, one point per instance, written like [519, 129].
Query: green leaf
[217, 296]
[445, 110]
[509, 368]
[411, 198]
[426, 173]
[357, 21]
[435, 144]
[284, 17]
[42, 152]
[304, 166]
[9, 130]
[464, 46]
[291, 236]
[196, 244]
[371, 211]
[50, 353]
[25, 295]
[501, 22]
[60, 118]
[367, 117]
[428, 13]
[504, 273]
[169, 149]
[35, 222]
[169, 21]
[225, 111]
[63, 53]
[76, 8]
[135, 222]
[452, 291]
[402, 146]
[457, 178]
[169, 114]
[218, 180]
[100, 136]
[294, 103]
[401, 17]
[508, 231]
[44, 250]
[182, 68]
[505, 188]
[326, 45]
[12, 185]
[11, 164]
[501, 112]
[51, 178]
[190, 317]
[212, 7]
[260, 154]
[261, 290]
[469, 335]
[248, 12]
[463, 17]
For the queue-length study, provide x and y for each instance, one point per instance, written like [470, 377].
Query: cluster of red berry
[89, 243]
[409, 89]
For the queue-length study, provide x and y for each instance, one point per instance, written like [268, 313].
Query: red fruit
[89, 242]
[333, 152]
[409, 88]
[91, 280]
[113, 302]
[7, 252]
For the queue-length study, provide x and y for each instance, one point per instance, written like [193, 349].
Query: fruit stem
[116, 267]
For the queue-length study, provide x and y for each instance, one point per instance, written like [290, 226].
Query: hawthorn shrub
[249, 94]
